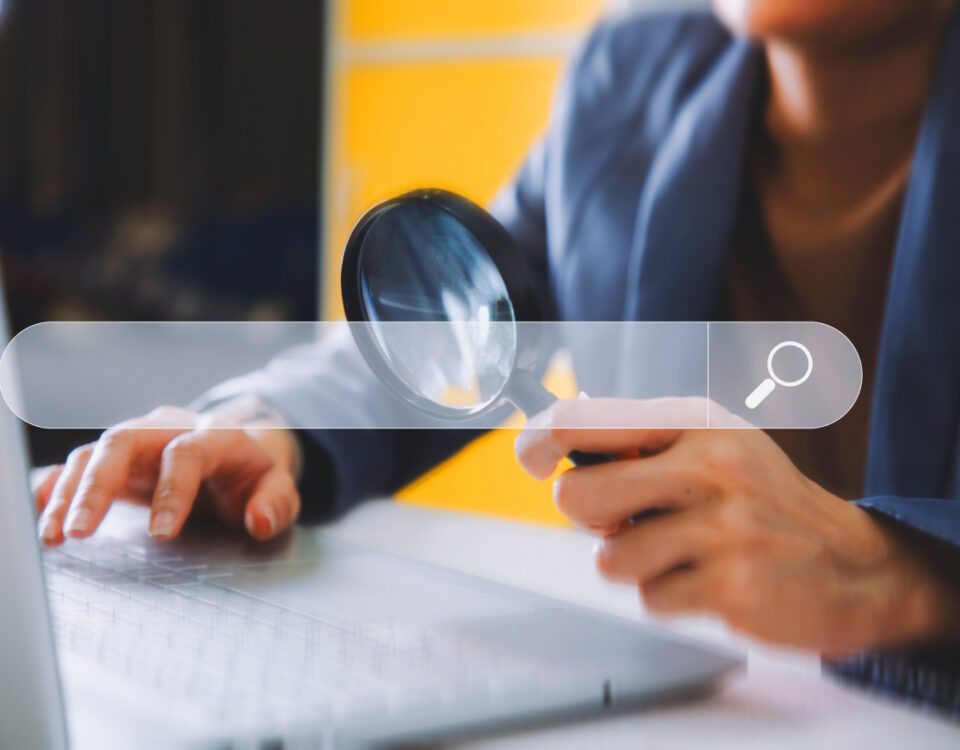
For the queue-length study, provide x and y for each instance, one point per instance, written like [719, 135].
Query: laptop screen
[31, 704]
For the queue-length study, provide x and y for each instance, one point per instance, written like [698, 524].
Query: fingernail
[48, 532]
[162, 524]
[601, 551]
[78, 522]
[271, 520]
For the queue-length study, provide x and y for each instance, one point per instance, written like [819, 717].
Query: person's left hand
[744, 534]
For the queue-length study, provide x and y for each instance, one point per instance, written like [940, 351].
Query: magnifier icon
[762, 391]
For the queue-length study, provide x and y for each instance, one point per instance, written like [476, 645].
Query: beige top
[813, 255]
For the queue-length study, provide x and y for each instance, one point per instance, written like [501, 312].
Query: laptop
[214, 640]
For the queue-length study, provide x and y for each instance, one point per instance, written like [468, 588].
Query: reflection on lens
[418, 264]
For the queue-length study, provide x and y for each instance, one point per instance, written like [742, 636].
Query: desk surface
[781, 700]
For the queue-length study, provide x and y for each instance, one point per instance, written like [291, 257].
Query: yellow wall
[422, 19]
[434, 93]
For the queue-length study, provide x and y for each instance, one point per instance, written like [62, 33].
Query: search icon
[760, 393]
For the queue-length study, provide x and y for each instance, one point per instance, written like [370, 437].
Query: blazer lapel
[682, 237]
[917, 394]
[689, 203]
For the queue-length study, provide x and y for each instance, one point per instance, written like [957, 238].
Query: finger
[605, 426]
[41, 485]
[695, 590]
[274, 505]
[648, 550]
[602, 498]
[51, 522]
[186, 462]
[117, 452]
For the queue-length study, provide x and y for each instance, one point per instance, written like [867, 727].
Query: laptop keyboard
[184, 629]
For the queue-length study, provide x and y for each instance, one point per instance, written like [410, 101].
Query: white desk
[781, 700]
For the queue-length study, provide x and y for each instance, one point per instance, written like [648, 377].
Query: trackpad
[370, 588]
[577, 642]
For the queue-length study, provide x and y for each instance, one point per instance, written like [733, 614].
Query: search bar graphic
[702, 375]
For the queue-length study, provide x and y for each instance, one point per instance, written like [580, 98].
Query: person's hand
[173, 460]
[743, 535]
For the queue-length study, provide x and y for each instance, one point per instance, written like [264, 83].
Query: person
[774, 160]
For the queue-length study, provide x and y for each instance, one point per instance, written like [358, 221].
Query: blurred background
[206, 159]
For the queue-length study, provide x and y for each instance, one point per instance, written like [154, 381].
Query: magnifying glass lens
[437, 306]
[437, 287]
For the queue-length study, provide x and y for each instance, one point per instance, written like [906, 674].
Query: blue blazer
[630, 201]
[626, 209]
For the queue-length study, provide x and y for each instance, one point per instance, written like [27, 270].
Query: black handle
[528, 394]
[581, 458]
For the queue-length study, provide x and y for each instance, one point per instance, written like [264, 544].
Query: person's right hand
[174, 460]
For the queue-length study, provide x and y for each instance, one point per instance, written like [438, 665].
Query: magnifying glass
[439, 287]
[762, 391]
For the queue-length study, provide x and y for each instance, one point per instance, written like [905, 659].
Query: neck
[857, 110]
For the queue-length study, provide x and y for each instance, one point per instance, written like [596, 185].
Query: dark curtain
[206, 107]
[159, 160]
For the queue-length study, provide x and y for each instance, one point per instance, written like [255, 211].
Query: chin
[761, 18]
[818, 20]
